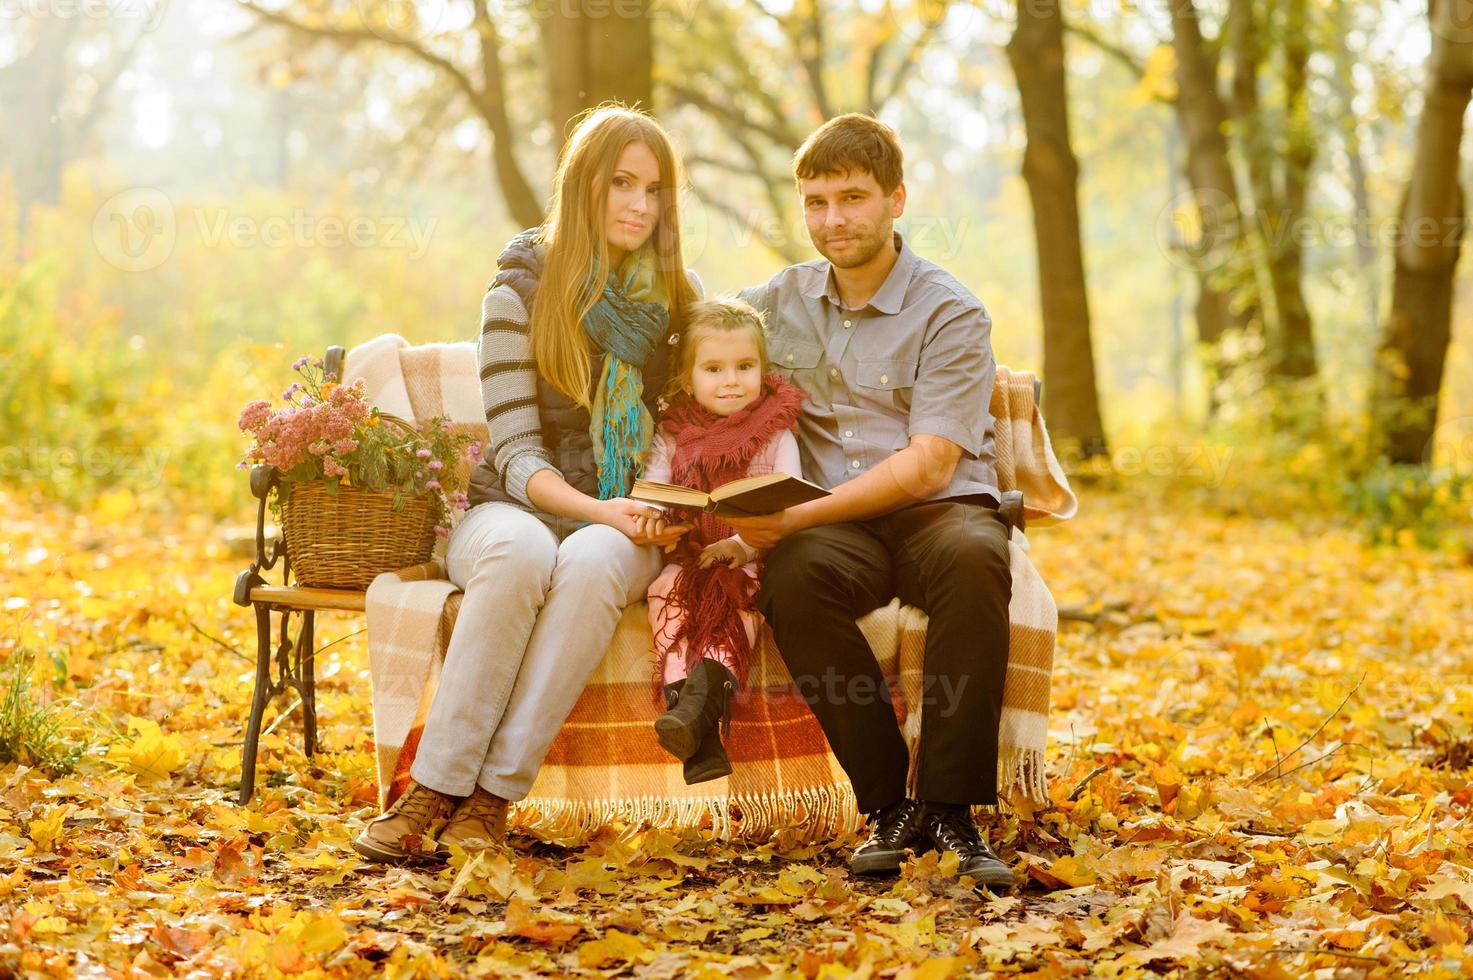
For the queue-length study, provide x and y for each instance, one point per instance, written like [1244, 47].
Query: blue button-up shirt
[916, 359]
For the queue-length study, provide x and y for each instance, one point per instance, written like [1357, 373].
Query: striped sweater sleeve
[509, 392]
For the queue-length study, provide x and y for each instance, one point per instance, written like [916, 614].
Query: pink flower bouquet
[328, 433]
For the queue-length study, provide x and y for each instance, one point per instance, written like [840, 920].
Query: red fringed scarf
[711, 450]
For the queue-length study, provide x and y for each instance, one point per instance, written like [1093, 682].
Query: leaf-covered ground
[1259, 757]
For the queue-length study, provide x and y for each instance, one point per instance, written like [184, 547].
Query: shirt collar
[891, 294]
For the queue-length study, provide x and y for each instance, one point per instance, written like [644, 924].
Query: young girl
[726, 419]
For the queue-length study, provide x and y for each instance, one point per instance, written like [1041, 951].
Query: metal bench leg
[259, 698]
[307, 664]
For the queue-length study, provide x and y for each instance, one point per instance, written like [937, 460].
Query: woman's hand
[725, 551]
[643, 525]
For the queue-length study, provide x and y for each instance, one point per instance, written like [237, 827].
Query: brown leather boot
[477, 822]
[396, 835]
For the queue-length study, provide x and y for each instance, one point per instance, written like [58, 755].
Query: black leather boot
[709, 761]
[703, 702]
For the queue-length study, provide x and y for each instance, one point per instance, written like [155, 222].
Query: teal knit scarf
[628, 320]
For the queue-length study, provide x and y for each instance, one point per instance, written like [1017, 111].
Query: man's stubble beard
[880, 241]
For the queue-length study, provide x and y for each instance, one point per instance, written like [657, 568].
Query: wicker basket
[343, 540]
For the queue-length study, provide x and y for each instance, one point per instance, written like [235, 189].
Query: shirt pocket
[791, 354]
[886, 385]
[886, 374]
[797, 360]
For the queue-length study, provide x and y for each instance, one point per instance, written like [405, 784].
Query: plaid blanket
[605, 764]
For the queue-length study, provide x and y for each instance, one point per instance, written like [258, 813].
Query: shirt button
[848, 323]
[789, 358]
[848, 433]
[833, 372]
[855, 464]
[884, 379]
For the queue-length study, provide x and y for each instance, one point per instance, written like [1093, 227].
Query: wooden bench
[294, 657]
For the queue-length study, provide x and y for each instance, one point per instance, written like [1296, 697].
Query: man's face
[850, 218]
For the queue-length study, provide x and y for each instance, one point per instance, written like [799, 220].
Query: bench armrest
[430, 571]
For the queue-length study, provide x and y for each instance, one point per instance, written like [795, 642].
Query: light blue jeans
[535, 621]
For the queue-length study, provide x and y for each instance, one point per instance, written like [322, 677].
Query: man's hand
[766, 531]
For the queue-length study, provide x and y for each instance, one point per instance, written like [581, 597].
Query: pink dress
[779, 455]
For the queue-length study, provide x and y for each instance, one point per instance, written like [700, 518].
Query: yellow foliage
[46, 830]
[149, 752]
[1206, 796]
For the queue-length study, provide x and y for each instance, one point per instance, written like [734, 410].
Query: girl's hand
[643, 525]
[725, 551]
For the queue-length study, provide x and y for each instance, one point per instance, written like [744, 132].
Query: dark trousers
[949, 559]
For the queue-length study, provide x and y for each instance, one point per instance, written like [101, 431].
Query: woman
[573, 352]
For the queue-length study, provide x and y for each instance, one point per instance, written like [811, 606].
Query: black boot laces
[891, 825]
[955, 830]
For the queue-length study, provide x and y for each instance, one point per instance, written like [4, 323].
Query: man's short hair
[848, 143]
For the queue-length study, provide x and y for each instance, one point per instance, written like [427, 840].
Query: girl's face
[726, 371]
[634, 201]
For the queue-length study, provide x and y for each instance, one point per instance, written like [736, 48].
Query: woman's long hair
[575, 238]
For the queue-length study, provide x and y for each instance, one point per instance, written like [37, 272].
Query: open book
[748, 496]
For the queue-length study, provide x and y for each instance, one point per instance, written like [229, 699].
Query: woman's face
[634, 201]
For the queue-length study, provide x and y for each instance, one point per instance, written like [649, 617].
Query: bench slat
[304, 598]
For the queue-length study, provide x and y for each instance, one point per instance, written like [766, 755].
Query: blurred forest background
[1225, 232]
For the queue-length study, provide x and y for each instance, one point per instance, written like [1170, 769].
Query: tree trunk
[40, 83]
[1416, 334]
[1036, 52]
[595, 55]
[1203, 118]
[1293, 341]
[1365, 250]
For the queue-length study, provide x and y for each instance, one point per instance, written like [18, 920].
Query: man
[896, 356]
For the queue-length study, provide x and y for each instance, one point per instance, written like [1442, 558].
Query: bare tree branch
[488, 100]
[349, 36]
[812, 58]
[715, 163]
[729, 114]
[780, 118]
[908, 62]
[783, 248]
[1133, 64]
[105, 83]
[523, 203]
[810, 54]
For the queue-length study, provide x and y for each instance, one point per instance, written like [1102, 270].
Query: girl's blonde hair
[718, 315]
[574, 235]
